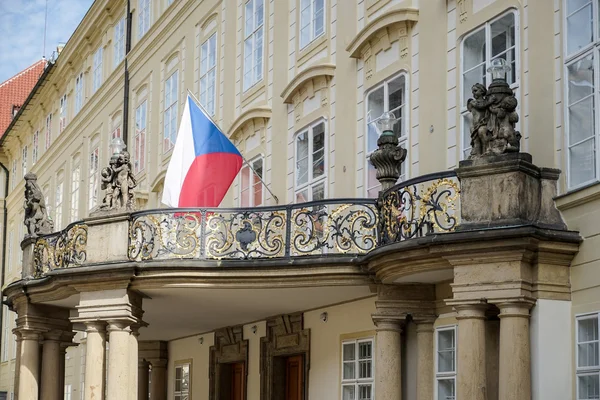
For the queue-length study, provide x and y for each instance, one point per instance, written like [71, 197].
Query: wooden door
[237, 381]
[294, 374]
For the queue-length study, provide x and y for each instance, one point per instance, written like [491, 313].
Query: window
[251, 188]
[20, 237]
[445, 363]
[68, 392]
[119, 42]
[139, 160]
[13, 181]
[582, 48]
[79, 88]
[496, 39]
[93, 177]
[170, 114]
[389, 96]
[97, 82]
[58, 203]
[115, 126]
[312, 20]
[48, 141]
[143, 18]
[182, 382]
[76, 176]
[310, 163]
[10, 247]
[62, 122]
[5, 334]
[24, 160]
[208, 74]
[34, 149]
[253, 43]
[588, 358]
[357, 370]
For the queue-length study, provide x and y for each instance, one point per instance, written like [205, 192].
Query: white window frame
[5, 334]
[24, 161]
[311, 23]
[208, 92]
[119, 42]
[170, 110]
[13, 180]
[97, 77]
[311, 181]
[403, 140]
[439, 376]
[48, 132]
[35, 147]
[11, 243]
[62, 122]
[144, 16]
[590, 370]
[187, 394]
[252, 183]
[256, 39]
[79, 91]
[93, 176]
[75, 184]
[139, 159]
[68, 392]
[58, 204]
[488, 61]
[116, 127]
[358, 381]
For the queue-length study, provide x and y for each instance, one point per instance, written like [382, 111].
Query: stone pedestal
[95, 360]
[424, 359]
[30, 365]
[515, 356]
[118, 360]
[158, 387]
[388, 358]
[51, 367]
[471, 361]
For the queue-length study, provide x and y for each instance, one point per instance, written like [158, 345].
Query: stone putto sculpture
[36, 220]
[494, 116]
[118, 182]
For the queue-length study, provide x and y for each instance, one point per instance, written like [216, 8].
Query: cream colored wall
[191, 349]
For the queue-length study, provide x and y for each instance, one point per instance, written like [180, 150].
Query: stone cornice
[302, 77]
[391, 17]
[259, 111]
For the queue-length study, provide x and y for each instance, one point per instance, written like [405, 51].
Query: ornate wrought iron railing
[345, 226]
[63, 249]
[418, 207]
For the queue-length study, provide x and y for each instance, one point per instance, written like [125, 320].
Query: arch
[155, 186]
[391, 17]
[206, 23]
[257, 112]
[299, 80]
[172, 61]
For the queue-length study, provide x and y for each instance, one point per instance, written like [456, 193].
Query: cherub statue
[124, 182]
[107, 176]
[503, 117]
[36, 215]
[478, 107]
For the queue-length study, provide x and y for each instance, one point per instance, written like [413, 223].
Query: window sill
[578, 196]
[307, 53]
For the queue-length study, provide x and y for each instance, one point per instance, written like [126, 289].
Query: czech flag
[204, 162]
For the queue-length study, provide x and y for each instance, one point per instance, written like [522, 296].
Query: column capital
[389, 322]
[119, 325]
[470, 309]
[516, 307]
[424, 319]
[29, 334]
[52, 336]
[95, 326]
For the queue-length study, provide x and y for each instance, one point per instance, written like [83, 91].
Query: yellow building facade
[298, 86]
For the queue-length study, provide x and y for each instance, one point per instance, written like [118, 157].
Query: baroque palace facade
[467, 280]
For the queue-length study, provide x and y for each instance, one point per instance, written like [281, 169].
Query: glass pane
[470, 78]
[259, 13]
[373, 186]
[587, 330]
[579, 29]
[581, 120]
[364, 392]
[589, 387]
[446, 361]
[364, 350]
[364, 369]
[474, 50]
[466, 136]
[318, 192]
[318, 150]
[375, 104]
[302, 196]
[348, 352]
[396, 94]
[574, 5]
[446, 389]
[587, 354]
[302, 158]
[348, 393]
[581, 79]
[503, 34]
[582, 165]
[446, 340]
[249, 19]
[349, 372]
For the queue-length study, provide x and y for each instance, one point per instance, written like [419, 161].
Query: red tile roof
[14, 92]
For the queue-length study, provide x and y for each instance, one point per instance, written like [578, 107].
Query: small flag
[204, 162]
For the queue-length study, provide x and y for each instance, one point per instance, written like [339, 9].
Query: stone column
[119, 360]
[471, 359]
[95, 351]
[133, 362]
[425, 359]
[158, 388]
[143, 379]
[17, 363]
[61, 368]
[30, 365]
[515, 356]
[51, 370]
[388, 357]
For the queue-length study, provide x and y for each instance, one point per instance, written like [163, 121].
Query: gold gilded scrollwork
[60, 250]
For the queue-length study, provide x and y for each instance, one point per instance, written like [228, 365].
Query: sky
[22, 30]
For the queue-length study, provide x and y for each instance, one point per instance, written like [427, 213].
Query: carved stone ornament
[36, 214]
[118, 182]
[494, 118]
[230, 347]
[387, 160]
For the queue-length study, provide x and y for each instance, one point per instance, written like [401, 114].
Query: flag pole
[243, 158]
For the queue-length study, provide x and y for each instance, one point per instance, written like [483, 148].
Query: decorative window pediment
[250, 120]
[384, 30]
[307, 81]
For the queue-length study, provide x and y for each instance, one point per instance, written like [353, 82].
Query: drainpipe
[126, 85]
